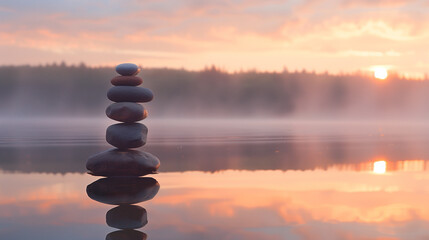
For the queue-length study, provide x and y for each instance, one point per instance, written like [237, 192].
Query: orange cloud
[266, 35]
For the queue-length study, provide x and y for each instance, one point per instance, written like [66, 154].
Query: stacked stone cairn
[122, 166]
[122, 161]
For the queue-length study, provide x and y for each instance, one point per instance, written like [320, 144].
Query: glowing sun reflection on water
[379, 167]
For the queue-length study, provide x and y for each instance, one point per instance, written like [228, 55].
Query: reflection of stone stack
[122, 161]
[124, 192]
[121, 165]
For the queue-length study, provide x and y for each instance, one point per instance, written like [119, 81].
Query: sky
[268, 35]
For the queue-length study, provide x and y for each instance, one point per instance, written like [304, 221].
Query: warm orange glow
[242, 35]
[242, 199]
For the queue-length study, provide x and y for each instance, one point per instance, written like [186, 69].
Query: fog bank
[61, 90]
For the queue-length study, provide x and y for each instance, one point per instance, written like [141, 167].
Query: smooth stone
[123, 190]
[129, 94]
[126, 235]
[115, 162]
[127, 112]
[126, 135]
[126, 217]
[126, 81]
[127, 69]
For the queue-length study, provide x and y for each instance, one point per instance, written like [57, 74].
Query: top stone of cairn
[127, 69]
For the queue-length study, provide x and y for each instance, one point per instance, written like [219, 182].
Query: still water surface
[225, 180]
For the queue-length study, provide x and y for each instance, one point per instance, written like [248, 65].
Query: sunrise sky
[321, 35]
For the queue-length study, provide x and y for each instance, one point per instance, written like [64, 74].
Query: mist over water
[79, 91]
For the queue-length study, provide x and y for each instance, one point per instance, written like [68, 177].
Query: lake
[221, 179]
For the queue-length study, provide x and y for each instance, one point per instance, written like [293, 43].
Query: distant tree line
[63, 90]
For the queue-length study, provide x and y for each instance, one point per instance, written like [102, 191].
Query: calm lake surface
[238, 179]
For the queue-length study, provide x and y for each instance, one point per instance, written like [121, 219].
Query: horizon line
[214, 67]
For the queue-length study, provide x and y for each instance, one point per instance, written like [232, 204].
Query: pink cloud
[376, 3]
[213, 32]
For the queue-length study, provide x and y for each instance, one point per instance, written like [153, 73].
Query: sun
[380, 73]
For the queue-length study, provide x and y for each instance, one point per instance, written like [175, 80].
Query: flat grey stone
[127, 112]
[123, 190]
[127, 69]
[126, 217]
[126, 235]
[115, 162]
[129, 94]
[126, 81]
[126, 135]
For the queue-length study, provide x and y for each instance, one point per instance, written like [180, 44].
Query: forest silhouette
[67, 90]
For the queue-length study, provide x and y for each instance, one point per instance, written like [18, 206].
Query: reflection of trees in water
[124, 192]
[282, 155]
